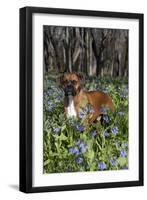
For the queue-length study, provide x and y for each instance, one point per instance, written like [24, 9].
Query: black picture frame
[26, 98]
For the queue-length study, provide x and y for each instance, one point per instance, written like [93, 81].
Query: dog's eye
[74, 82]
[65, 82]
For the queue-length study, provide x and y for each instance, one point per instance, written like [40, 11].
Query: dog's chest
[71, 112]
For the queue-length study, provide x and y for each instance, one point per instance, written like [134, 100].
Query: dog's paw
[91, 118]
[99, 118]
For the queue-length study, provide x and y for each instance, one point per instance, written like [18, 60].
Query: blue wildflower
[56, 130]
[80, 128]
[104, 110]
[113, 162]
[123, 153]
[79, 160]
[124, 145]
[121, 113]
[83, 147]
[58, 98]
[93, 133]
[49, 92]
[82, 115]
[106, 118]
[114, 130]
[50, 103]
[74, 150]
[102, 166]
[106, 134]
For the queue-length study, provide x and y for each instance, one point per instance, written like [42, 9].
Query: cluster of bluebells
[93, 133]
[51, 105]
[79, 127]
[53, 96]
[125, 144]
[79, 160]
[102, 166]
[106, 133]
[56, 130]
[113, 131]
[78, 150]
[123, 153]
[104, 110]
[106, 118]
[113, 162]
[121, 113]
[74, 150]
[82, 146]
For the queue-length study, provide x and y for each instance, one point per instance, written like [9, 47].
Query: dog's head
[71, 83]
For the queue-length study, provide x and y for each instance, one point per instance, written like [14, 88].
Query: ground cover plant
[68, 146]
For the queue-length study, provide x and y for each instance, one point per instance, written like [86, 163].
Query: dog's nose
[69, 87]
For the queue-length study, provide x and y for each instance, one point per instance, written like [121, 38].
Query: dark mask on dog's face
[71, 84]
[69, 88]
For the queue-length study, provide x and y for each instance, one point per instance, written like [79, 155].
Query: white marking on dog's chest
[71, 108]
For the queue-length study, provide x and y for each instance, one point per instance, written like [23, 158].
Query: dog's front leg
[91, 118]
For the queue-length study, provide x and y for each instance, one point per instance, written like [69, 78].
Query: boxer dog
[76, 98]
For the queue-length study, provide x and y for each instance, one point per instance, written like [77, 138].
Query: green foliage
[71, 147]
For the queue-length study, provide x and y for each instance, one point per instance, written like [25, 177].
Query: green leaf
[122, 161]
[63, 137]
[46, 162]
[63, 128]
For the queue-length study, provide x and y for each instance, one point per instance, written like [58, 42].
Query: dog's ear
[79, 75]
[60, 80]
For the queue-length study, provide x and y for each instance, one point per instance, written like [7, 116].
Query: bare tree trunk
[90, 57]
[76, 55]
[77, 49]
[82, 49]
[96, 57]
[56, 51]
[68, 51]
[64, 58]
[91, 51]
[97, 52]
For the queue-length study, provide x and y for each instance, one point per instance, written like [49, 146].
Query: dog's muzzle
[69, 90]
